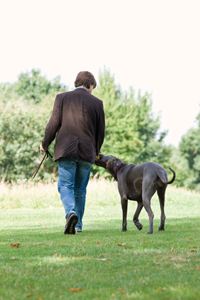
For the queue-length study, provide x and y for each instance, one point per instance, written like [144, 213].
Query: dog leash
[47, 154]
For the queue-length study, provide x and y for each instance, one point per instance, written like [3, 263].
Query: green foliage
[132, 129]
[25, 107]
[6, 91]
[179, 164]
[189, 148]
[31, 86]
[21, 129]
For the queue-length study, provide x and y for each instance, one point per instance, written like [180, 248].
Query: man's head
[86, 79]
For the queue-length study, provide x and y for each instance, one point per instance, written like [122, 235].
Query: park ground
[38, 262]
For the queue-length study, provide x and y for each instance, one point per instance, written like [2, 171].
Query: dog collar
[115, 175]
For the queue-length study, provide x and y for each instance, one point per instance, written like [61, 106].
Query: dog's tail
[163, 179]
[173, 178]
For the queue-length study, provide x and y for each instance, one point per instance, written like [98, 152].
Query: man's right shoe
[71, 222]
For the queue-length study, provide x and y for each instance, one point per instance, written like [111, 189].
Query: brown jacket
[78, 123]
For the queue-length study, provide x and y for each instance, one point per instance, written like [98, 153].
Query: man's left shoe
[78, 229]
[71, 222]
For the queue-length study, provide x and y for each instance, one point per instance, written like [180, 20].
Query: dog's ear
[118, 162]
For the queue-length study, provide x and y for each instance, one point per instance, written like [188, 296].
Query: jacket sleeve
[53, 124]
[100, 132]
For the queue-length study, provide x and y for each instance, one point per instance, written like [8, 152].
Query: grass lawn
[101, 262]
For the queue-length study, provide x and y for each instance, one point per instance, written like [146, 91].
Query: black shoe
[71, 222]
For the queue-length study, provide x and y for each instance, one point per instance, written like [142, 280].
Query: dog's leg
[161, 195]
[124, 203]
[135, 218]
[148, 190]
[146, 203]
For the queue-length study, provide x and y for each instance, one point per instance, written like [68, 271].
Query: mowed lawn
[101, 262]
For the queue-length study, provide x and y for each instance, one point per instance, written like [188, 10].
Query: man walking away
[78, 123]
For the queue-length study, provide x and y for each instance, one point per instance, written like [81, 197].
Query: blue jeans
[72, 183]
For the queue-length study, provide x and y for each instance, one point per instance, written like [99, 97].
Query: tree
[189, 147]
[31, 86]
[22, 124]
[21, 129]
[132, 129]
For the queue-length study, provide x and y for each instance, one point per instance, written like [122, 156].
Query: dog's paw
[124, 229]
[161, 228]
[150, 232]
[138, 225]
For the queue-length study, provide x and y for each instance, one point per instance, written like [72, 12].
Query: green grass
[165, 265]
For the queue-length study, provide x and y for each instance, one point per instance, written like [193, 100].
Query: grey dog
[138, 183]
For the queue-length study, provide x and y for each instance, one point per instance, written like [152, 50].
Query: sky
[152, 45]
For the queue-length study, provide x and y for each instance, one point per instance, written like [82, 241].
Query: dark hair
[86, 79]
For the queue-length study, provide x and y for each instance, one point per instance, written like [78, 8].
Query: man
[78, 123]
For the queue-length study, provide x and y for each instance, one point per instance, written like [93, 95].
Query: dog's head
[102, 160]
[110, 163]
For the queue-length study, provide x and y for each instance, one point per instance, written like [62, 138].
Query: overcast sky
[152, 45]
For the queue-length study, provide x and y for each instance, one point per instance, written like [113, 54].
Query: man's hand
[41, 148]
